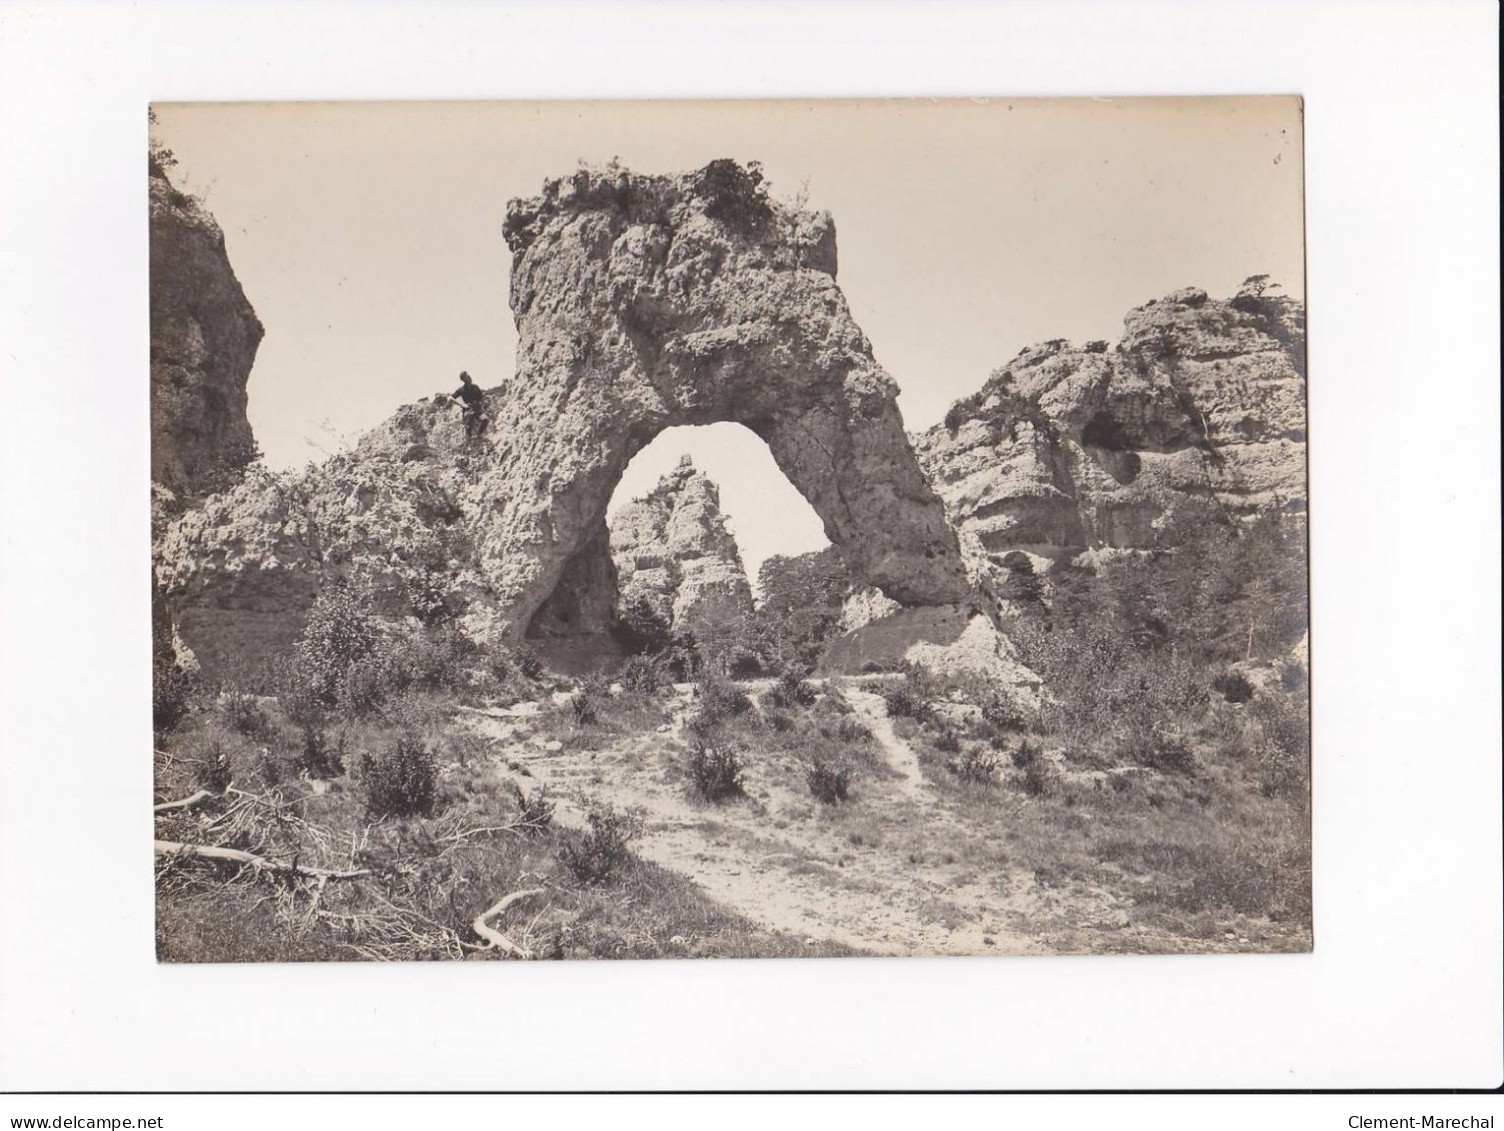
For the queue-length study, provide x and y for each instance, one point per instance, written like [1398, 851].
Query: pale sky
[368, 238]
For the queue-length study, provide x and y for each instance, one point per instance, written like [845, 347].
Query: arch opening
[690, 522]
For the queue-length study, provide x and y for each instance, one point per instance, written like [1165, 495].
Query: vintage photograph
[728, 529]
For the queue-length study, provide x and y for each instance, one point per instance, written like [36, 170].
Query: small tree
[341, 632]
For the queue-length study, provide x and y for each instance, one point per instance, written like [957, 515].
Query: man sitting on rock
[475, 413]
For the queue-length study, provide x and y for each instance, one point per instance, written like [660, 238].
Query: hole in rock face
[1107, 442]
[1104, 431]
[712, 493]
[762, 508]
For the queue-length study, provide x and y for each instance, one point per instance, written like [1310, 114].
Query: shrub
[363, 685]
[215, 772]
[718, 700]
[714, 770]
[171, 692]
[318, 760]
[244, 714]
[946, 742]
[510, 663]
[955, 416]
[301, 700]
[910, 698]
[976, 765]
[1285, 722]
[581, 709]
[1279, 771]
[792, 689]
[1040, 777]
[596, 854]
[341, 631]
[852, 731]
[641, 675]
[829, 783]
[1292, 676]
[1002, 713]
[433, 658]
[1164, 750]
[1233, 686]
[402, 781]
[534, 814]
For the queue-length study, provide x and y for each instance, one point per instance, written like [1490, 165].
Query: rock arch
[644, 302]
[641, 302]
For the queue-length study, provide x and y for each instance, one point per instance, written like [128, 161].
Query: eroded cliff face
[204, 336]
[1197, 414]
[675, 558]
[641, 302]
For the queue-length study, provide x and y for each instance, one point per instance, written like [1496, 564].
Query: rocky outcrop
[675, 559]
[204, 336]
[641, 302]
[1197, 414]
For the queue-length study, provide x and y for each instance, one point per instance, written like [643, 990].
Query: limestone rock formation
[1198, 413]
[676, 560]
[641, 302]
[204, 336]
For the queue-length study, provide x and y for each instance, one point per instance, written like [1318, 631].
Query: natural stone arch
[644, 302]
[641, 303]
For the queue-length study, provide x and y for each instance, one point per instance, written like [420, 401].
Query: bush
[581, 709]
[641, 675]
[955, 416]
[792, 689]
[715, 770]
[513, 663]
[171, 691]
[534, 814]
[402, 781]
[341, 632]
[829, 783]
[718, 700]
[363, 685]
[1280, 772]
[1040, 778]
[301, 700]
[1164, 750]
[1233, 686]
[433, 659]
[946, 742]
[1292, 676]
[318, 760]
[244, 714]
[215, 773]
[911, 697]
[852, 732]
[976, 765]
[595, 855]
[1002, 713]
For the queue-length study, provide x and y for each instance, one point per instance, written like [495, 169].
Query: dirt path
[890, 872]
[873, 712]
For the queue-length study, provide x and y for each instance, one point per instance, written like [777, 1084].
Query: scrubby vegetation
[1164, 768]
[714, 769]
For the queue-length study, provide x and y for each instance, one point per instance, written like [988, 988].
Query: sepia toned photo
[728, 529]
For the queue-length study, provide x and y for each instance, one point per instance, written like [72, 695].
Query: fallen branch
[495, 937]
[260, 863]
[188, 802]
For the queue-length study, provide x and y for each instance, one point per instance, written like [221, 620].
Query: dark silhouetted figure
[474, 400]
